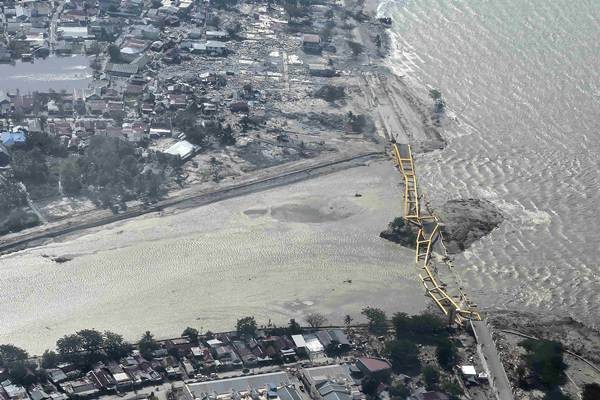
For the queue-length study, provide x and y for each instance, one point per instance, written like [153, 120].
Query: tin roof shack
[311, 43]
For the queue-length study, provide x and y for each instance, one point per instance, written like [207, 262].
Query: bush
[377, 319]
[424, 328]
[544, 359]
[446, 353]
[591, 391]
[404, 356]
[431, 377]
[246, 326]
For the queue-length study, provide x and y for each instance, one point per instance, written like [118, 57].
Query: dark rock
[467, 220]
[61, 259]
[400, 232]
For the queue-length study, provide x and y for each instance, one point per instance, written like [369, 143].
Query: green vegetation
[88, 346]
[404, 356]
[147, 345]
[591, 391]
[315, 320]
[544, 361]
[113, 172]
[294, 328]
[431, 377]
[50, 359]
[399, 391]
[377, 319]
[191, 333]
[246, 326]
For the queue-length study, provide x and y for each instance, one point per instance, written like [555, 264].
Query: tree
[315, 320]
[446, 353]
[431, 377]
[69, 344]
[147, 345]
[70, 176]
[91, 340]
[246, 326]
[21, 373]
[348, 320]
[30, 166]
[399, 391]
[10, 353]
[545, 359]
[294, 328]
[114, 52]
[369, 385]
[377, 319]
[115, 346]
[191, 333]
[591, 391]
[404, 356]
[50, 359]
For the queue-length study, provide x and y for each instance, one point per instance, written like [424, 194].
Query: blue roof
[11, 138]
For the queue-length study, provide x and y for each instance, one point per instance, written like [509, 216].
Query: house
[216, 35]
[81, 387]
[422, 394]
[102, 379]
[377, 367]
[13, 391]
[331, 382]
[125, 70]
[10, 139]
[183, 150]
[56, 375]
[246, 386]
[311, 43]
[211, 47]
[5, 104]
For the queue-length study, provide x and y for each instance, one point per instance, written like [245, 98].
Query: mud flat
[276, 254]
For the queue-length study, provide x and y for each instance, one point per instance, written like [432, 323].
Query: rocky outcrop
[400, 232]
[466, 220]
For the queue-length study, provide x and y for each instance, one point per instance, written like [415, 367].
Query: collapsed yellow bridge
[456, 307]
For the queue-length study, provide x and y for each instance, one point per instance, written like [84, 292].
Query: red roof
[373, 365]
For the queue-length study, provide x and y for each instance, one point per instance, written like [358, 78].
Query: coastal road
[489, 358]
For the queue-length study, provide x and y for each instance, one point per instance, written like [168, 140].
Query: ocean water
[522, 84]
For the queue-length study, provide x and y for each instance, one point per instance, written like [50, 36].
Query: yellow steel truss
[458, 308]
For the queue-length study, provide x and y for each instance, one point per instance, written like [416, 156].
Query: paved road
[491, 361]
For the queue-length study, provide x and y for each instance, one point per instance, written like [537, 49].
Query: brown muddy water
[278, 254]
